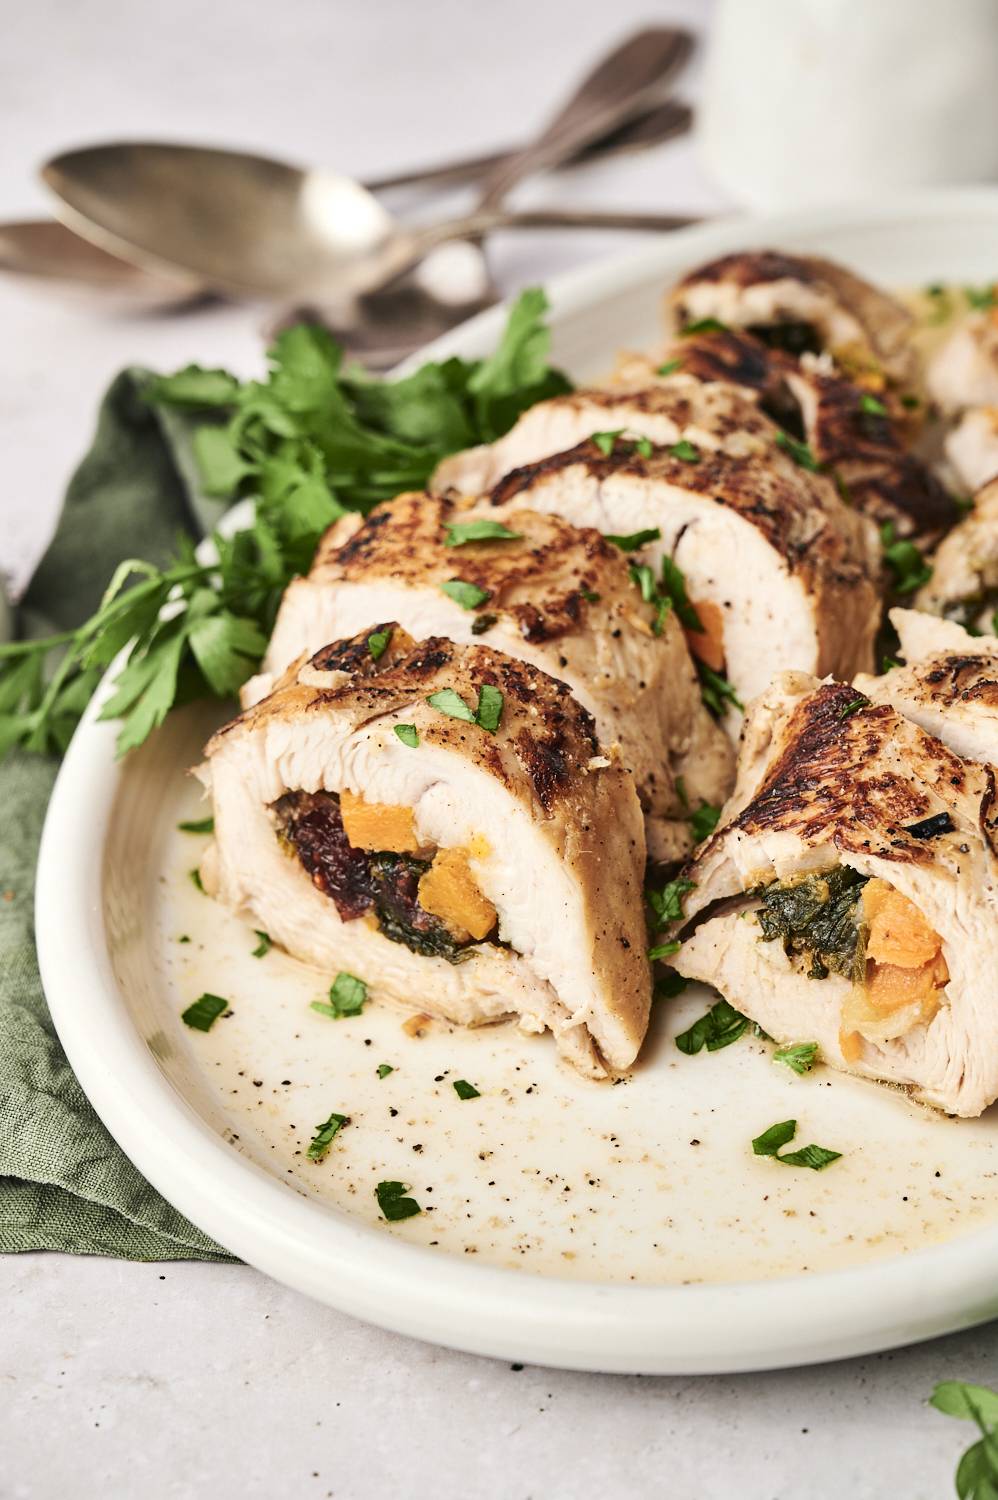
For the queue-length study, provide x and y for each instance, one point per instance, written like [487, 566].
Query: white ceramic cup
[821, 101]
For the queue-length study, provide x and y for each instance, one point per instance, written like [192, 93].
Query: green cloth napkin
[64, 1183]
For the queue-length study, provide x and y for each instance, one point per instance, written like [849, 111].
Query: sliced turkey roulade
[947, 683]
[800, 303]
[781, 573]
[851, 900]
[711, 416]
[441, 822]
[539, 589]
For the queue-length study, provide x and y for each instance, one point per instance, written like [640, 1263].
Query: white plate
[610, 1228]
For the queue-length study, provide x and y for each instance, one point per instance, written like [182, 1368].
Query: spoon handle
[480, 223]
[652, 127]
[612, 93]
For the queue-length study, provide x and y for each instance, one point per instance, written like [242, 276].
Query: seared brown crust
[746, 267]
[883, 481]
[788, 506]
[732, 356]
[961, 679]
[543, 731]
[884, 325]
[837, 780]
[545, 580]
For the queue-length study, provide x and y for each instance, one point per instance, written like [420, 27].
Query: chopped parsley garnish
[204, 825]
[448, 702]
[663, 950]
[930, 828]
[670, 367]
[853, 707]
[589, 596]
[325, 1134]
[606, 441]
[670, 985]
[460, 533]
[483, 623]
[377, 643]
[687, 451]
[347, 995]
[635, 539]
[393, 1202]
[977, 1471]
[408, 734]
[183, 938]
[704, 821]
[801, 453]
[196, 880]
[489, 710]
[910, 402]
[314, 437]
[981, 298]
[465, 1090]
[871, 407]
[264, 946]
[667, 904]
[384, 1069]
[680, 785]
[703, 325]
[801, 1058]
[674, 587]
[771, 1140]
[716, 690]
[721, 1026]
[486, 716]
[468, 595]
[205, 1011]
[909, 567]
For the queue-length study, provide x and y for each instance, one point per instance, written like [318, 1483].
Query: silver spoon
[245, 224]
[253, 227]
[47, 252]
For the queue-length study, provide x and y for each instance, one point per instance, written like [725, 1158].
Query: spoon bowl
[237, 222]
[48, 253]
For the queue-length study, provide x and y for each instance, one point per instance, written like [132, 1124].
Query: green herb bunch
[312, 440]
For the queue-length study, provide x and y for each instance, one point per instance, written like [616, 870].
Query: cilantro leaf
[393, 1202]
[468, 595]
[377, 643]
[716, 690]
[204, 1012]
[264, 946]
[203, 825]
[448, 702]
[460, 533]
[465, 1090]
[670, 367]
[801, 453]
[721, 1026]
[704, 821]
[777, 1136]
[311, 440]
[909, 568]
[347, 996]
[635, 539]
[703, 325]
[384, 1069]
[325, 1133]
[489, 711]
[408, 734]
[663, 950]
[688, 452]
[667, 904]
[801, 1057]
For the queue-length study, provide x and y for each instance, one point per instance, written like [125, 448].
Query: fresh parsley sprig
[310, 441]
[977, 1471]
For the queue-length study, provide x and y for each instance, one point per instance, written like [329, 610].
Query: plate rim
[373, 1272]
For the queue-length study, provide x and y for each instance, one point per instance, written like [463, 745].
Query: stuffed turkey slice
[948, 683]
[780, 573]
[851, 899]
[800, 303]
[964, 582]
[539, 589]
[441, 822]
[713, 416]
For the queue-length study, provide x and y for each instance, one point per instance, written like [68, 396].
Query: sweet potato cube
[448, 890]
[378, 826]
